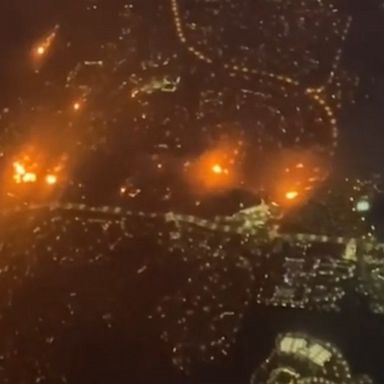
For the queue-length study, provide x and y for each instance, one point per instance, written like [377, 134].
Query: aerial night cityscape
[192, 191]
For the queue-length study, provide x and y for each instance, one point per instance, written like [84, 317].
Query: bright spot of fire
[217, 169]
[29, 177]
[78, 104]
[27, 171]
[292, 176]
[40, 50]
[19, 169]
[292, 195]
[45, 44]
[51, 179]
[21, 175]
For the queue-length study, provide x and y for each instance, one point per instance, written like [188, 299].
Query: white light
[363, 206]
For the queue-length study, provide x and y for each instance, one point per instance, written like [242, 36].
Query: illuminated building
[301, 359]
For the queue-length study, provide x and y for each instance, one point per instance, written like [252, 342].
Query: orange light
[51, 179]
[40, 50]
[76, 106]
[19, 172]
[291, 195]
[19, 168]
[213, 171]
[217, 169]
[44, 45]
[29, 177]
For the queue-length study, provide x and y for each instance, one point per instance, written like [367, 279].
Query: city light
[363, 206]
[168, 170]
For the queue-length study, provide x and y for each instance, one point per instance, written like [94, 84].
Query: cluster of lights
[23, 176]
[294, 188]
[288, 192]
[214, 264]
[315, 95]
[215, 173]
[327, 364]
[181, 34]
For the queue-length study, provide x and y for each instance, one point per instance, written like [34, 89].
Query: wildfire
[215, 170]
[42, 48]
[78, 104]
[19, 169]
[51, 179]
[292, 195]
[29, 177]
[29, 172]
[21, 175]
[293, 175]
